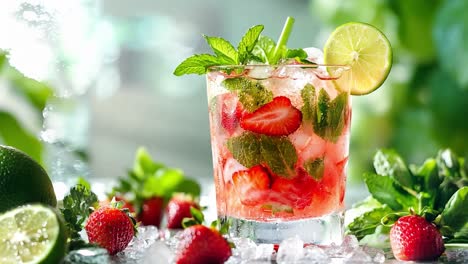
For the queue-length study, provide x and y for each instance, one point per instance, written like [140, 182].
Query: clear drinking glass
[280, 141]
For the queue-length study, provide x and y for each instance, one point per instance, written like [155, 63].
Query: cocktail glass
[280, 174]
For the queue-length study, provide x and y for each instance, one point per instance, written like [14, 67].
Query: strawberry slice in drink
[276, 118]
[251, 185]
[297, 192]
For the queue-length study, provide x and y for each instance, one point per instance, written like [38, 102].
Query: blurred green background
[422, 107]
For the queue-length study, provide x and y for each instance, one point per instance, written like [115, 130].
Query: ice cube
[260, 72]
[349, 244]
[358, 256]
[314, 55]
[159, 253]
[377, 255]
[87, 256]
[314, 254]
[290, 250]
[137, 248]
[264, 252]
[245, 248]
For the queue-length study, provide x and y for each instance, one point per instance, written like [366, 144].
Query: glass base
[319, 231]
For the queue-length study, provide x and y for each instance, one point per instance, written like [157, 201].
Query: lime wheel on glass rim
[366, 50]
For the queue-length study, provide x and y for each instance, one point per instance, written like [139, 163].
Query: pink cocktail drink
[280, 139]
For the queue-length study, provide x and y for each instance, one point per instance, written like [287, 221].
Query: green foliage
[437, 190]
[12, 131]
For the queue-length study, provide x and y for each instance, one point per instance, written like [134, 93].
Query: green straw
[283, 40]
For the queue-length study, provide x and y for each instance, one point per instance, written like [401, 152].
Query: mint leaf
[297, 54]
[252, 94]
[336, 116]
[321, 113]
[279, 154]
[387, 162]
[310, 103]
[327, 117]
[263, 50]
[144, 164]
[223, 49]
[387, 191]
[455, 214]
[245, 149]
[367, 223]
[197, 64]
[451, 174]
[315, 168]
[247, 43]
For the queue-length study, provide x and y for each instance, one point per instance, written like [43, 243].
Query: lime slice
[366, 50]
[32, 234]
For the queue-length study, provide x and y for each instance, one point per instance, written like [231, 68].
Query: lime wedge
[32, 234]
[366, 50]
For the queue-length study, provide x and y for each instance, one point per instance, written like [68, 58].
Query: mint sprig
[437, 190]
[253, 48]
[77, 206]
[247, 43]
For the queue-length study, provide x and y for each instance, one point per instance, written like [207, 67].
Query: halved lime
[366, 50]
[32, 234]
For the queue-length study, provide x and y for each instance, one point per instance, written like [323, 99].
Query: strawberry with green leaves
[435, 194]
[150, 185]
[178, 208]
[110, 227]
[199, 244]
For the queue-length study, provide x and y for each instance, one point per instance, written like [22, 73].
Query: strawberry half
[199, 244]
[276, 118]
[413, 238]
[178, 208]
[110, 228]
[251, 184]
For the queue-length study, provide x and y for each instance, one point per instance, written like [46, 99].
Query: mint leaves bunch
[436, 190]
[253, 48]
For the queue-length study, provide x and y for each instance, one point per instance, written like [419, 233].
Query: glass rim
[302, 66]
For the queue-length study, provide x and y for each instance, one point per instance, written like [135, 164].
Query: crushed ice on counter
[246, 251]
[293, 250]
[138, 247]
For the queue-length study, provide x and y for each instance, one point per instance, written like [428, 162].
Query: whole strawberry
[152, 211]
[413, 238]
[202, 245]
[111, 228]
[178, 208]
